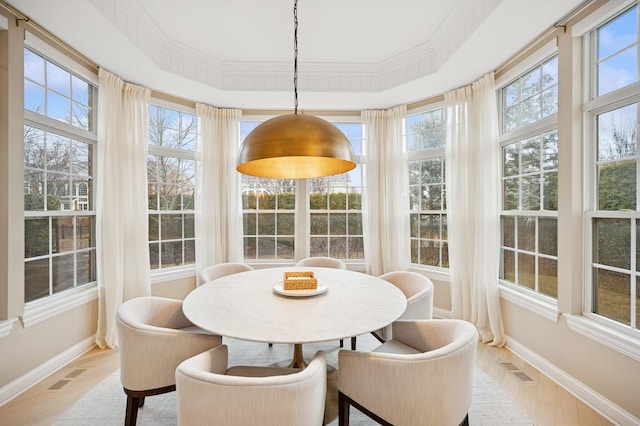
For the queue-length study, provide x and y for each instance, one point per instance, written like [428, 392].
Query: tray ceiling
[353, 54]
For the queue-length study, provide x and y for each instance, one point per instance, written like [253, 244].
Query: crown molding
[182, 60]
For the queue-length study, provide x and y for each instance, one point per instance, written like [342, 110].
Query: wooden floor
[546, 402]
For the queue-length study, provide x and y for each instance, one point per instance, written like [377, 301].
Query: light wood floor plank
[546, 403]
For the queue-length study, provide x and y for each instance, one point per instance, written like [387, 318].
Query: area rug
[105, 404]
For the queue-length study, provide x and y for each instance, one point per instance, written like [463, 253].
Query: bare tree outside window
[171, 169]
[425, 133]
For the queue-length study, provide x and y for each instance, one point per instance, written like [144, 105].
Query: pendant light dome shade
[295, 146]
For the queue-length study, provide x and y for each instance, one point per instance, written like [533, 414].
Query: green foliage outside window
[617, 186]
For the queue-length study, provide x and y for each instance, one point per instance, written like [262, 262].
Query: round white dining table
[246, 306]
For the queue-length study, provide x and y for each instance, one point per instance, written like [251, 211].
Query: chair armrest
[406, 383]
[409, 382]
[149, 357]
[419, 306]
[235, 400]
[215, 360]
[432, 335]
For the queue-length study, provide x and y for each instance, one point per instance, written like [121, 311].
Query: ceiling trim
[404, 67]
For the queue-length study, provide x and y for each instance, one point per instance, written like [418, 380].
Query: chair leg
[465, 421]
[353, 343]
[345, 402]
[343, 410]
[270, 345]
[133, 402]
[341, 343]
[380, 339]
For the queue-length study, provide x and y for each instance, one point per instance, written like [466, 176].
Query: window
[59, 144]
[613, 216]
[335, 204]
[334, 211]
[425, 134]
[268, 207]
[529, 141]
[171, 173]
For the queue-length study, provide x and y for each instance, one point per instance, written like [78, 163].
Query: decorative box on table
[300, 280]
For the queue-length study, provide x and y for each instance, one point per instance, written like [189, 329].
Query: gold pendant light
[295, 146]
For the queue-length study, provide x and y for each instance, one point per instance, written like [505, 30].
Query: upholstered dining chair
[418, 290]
[222, 269]
[326, 262]
[154, 337]
[209, 392]
[322, 262]
[423, 375]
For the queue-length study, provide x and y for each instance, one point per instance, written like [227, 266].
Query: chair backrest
[206, 395]
[148, 326]
[418, 290]
[322, 262]
[222, 269]
[434, 385]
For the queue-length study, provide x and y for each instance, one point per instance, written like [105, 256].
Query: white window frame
[605, 331]
[435, 272]
[302, 210]
[171, 273]
[358, 159]
[45, 308]
[535, 302]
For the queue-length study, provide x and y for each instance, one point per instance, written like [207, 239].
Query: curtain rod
[559, 27]
[43, 33]
[574, 12]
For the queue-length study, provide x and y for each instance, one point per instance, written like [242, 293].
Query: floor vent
[75, 373]
[523, 376]
[517, 372]
[510, 366]
[57, 385]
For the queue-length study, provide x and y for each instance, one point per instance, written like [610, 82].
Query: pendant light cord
[295, 56]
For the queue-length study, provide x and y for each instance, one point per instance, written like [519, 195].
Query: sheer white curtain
[473, 206]
[218, 201]
[386, 201]
[121, 200]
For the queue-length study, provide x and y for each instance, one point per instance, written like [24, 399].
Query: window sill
[440, 274]
[172, 274]
[49, 307]
[618, 341]
[546, 309]
[6, 326]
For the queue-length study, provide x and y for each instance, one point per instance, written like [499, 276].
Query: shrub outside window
[335, 204]
[334, 211]
[268, 207]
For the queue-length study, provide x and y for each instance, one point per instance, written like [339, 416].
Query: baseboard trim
[23, 383]
[441, 313]
[599, 403]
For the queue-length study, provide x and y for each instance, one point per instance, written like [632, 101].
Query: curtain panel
[122, 248]
[386, 199]
[218, 222]
[473, 206]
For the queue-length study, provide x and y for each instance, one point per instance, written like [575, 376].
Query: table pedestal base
[298, 359]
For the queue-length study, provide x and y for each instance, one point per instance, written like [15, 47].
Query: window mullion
[633, 274]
